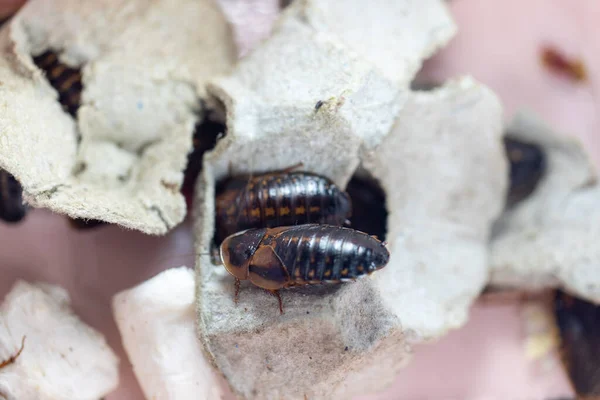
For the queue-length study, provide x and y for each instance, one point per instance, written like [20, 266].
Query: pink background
[498, 43]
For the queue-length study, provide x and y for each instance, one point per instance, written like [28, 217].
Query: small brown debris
[560, 64]
[14, 357]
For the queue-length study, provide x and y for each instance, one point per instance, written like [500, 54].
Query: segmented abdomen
[324, 253]
[281, 200]
[66, 80]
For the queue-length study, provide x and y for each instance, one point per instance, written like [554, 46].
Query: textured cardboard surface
[550, 239]
[144, 69]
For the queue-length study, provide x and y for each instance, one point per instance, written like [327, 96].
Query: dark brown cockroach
[10, 360]
[206, 135]
[12, 208]
[281, 198]
[66, 80]
[309, 254]
[579, 325]
[527, 166]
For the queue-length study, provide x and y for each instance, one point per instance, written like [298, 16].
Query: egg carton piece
[144, 67]
[396, 36]
[303, 97]
[156, 320]
[62, 358]
[550, 238]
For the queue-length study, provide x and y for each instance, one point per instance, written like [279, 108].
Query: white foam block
[62, 358]
[156, 320]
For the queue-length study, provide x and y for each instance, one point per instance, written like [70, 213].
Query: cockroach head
[238, 249]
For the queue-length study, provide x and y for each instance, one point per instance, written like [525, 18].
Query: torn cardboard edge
[548, 240]
[144, 127]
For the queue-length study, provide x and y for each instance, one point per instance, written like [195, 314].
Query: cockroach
[66, 80]
[281, 198]
[10, 360]
[558, 63]
[579, 325]
[309, 254]
[12, 208]
[206, 135]
[527, 167]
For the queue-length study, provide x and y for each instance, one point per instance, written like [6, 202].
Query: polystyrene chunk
[156, 320]
[62, 358]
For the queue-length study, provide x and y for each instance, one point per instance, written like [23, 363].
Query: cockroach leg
[14, 357]
[236, 297]
[278, 295]
[293, 167]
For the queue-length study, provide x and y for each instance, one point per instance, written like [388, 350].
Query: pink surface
[499, 43]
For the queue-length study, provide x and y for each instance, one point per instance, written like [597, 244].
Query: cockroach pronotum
[66, 80]
[12, 208]
[527, 166]
[283, 257]
[281, 198]
[10, 360]
[579, 325]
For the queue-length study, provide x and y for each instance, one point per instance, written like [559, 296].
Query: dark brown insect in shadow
[66, 80]
[10, 360]
[206, 135]
[579, 325]
[527, 167]
[281, 198]
[309, 254]
[369, 213]
[12, 209]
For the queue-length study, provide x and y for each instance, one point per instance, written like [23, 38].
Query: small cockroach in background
[12, 209]
[206, 135]
[66, 80]
[579, 325]
[309, 254]
[281, 198]
[560, 64]
[10, 360]
[527, 167]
